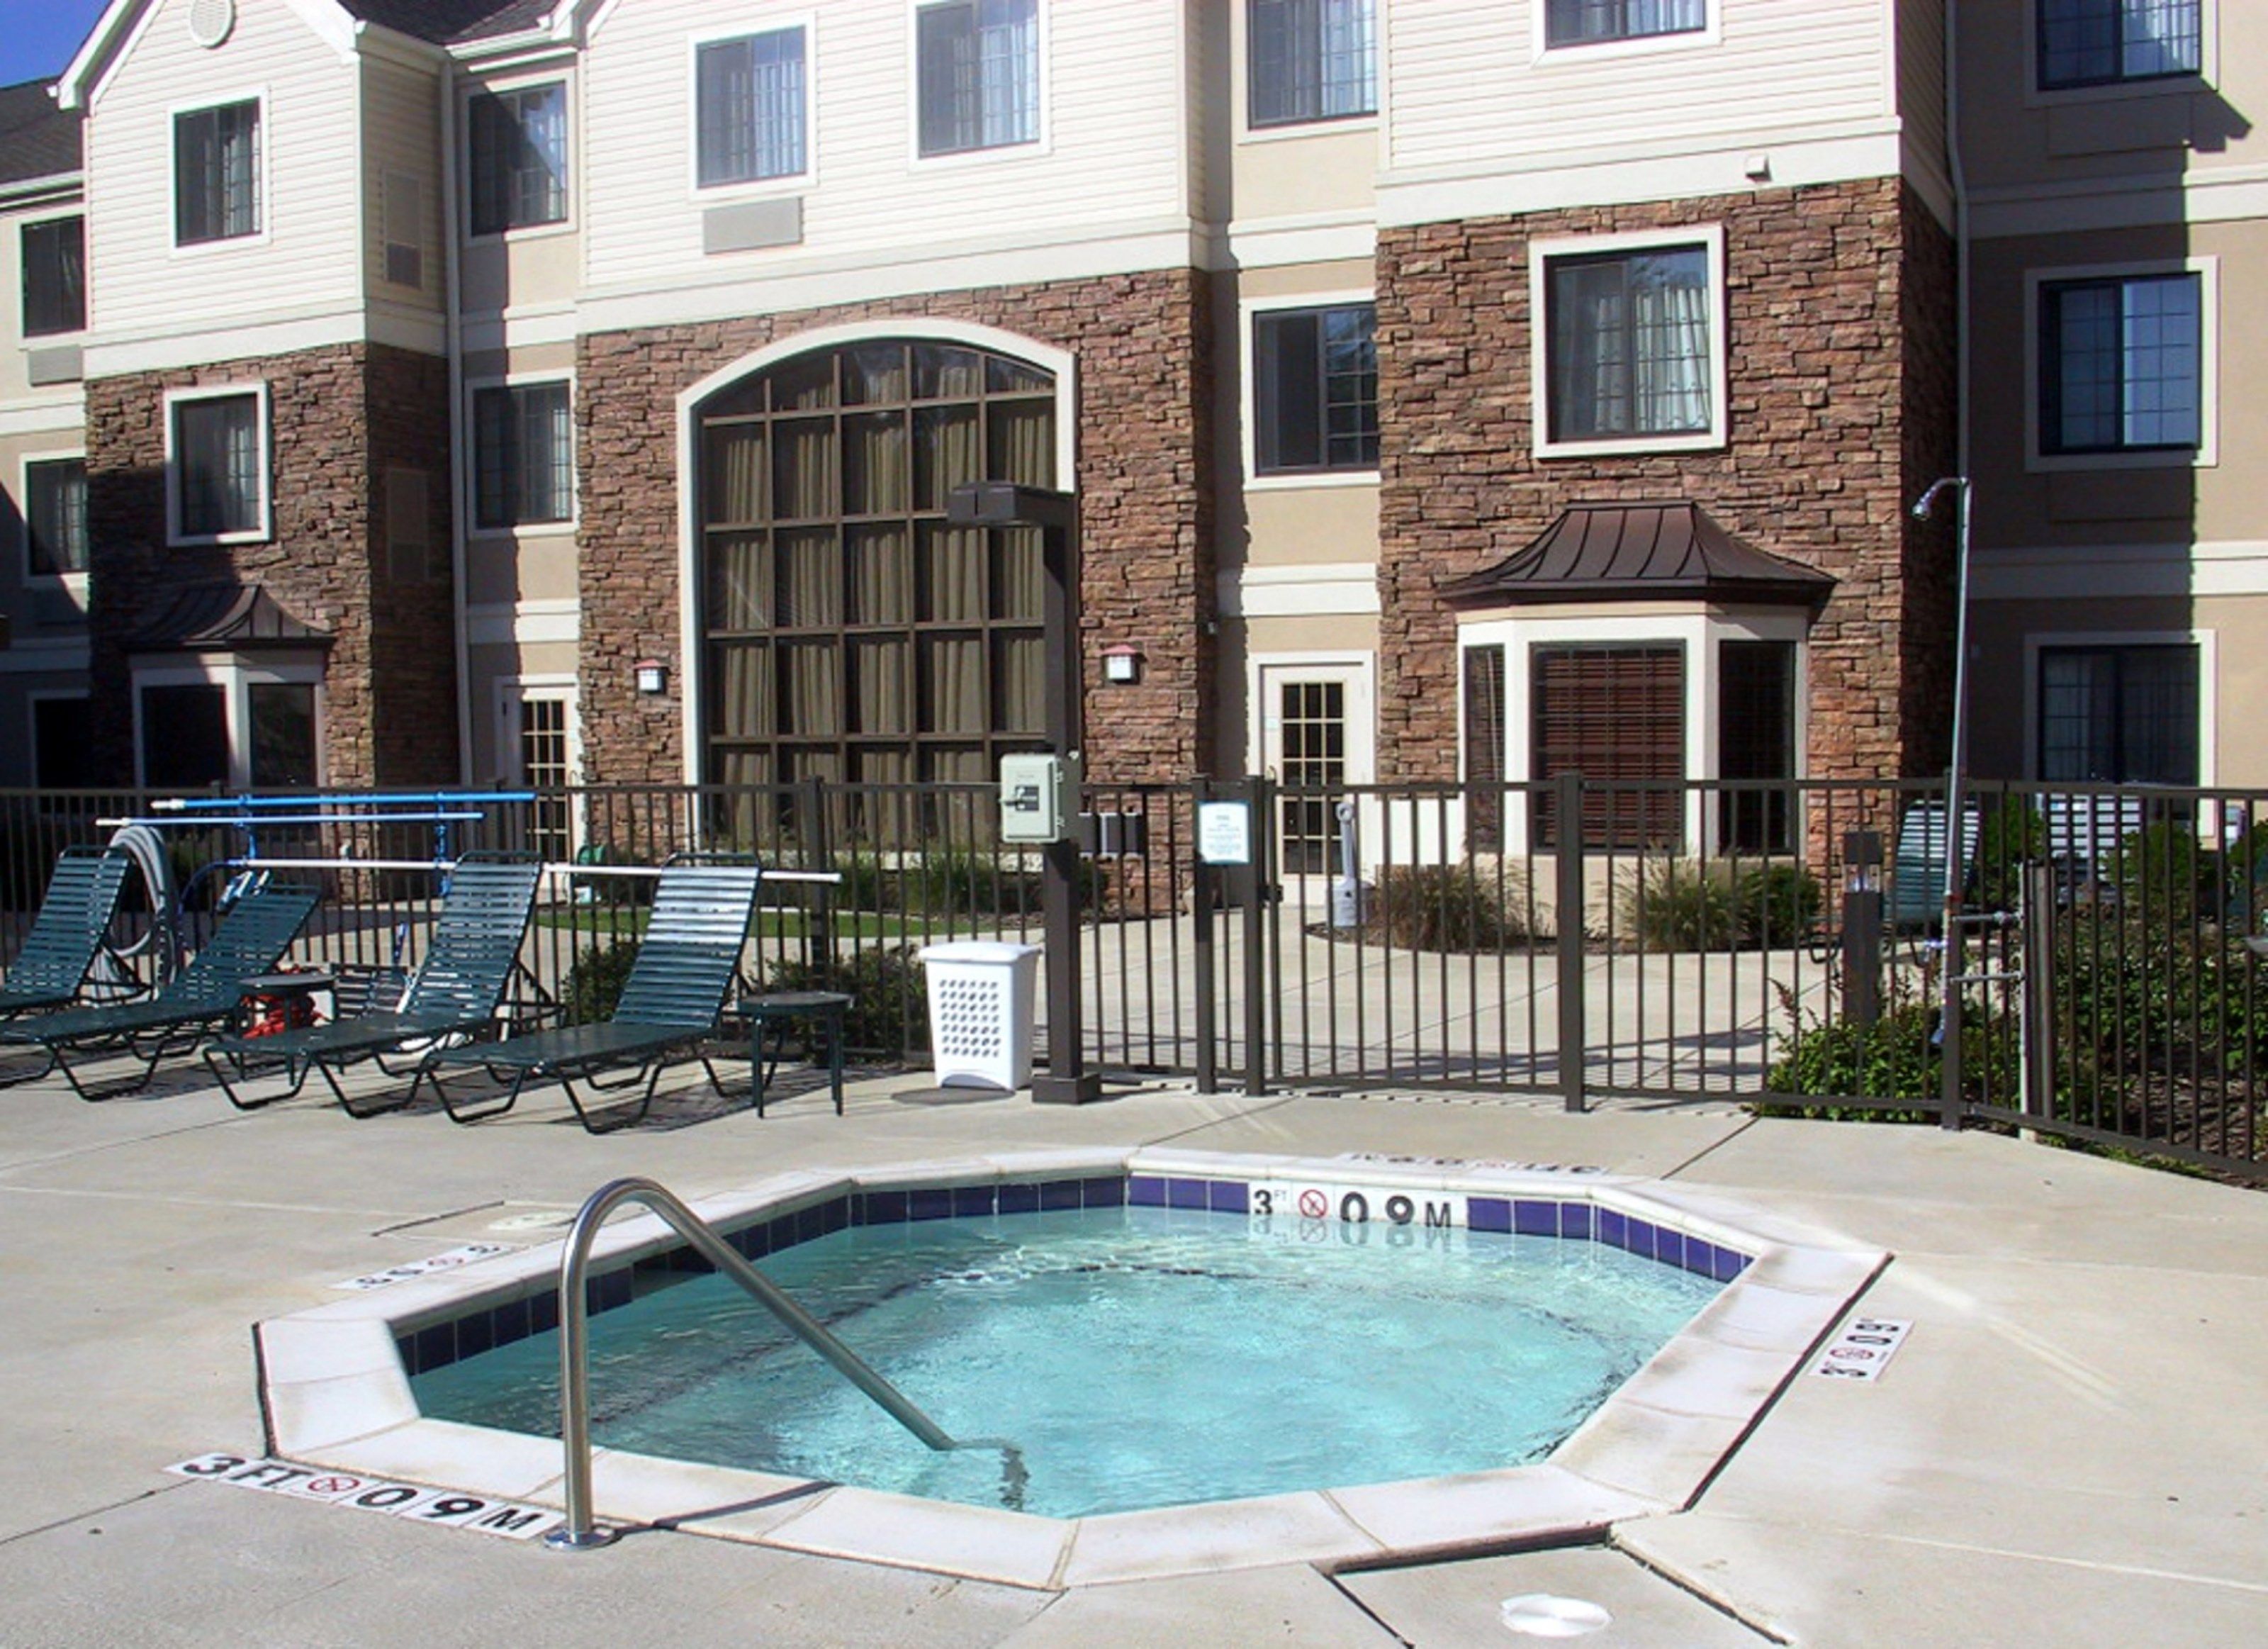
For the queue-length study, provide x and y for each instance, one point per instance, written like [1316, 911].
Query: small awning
[226, 618]
[1610, 552]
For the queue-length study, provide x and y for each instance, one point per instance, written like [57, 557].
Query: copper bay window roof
[1606, 552]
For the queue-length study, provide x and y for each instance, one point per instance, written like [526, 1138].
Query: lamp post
[1956, 773]
[1056, 516]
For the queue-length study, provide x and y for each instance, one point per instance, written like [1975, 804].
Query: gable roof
[445, 22]
[37, 139]
[1596, 552]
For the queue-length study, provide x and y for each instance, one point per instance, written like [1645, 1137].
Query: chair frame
[69, 933]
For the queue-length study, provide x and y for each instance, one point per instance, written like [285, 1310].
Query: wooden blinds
[1616, 715]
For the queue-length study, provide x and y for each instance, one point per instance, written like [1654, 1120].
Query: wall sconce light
[1122, 665]
[652, 676]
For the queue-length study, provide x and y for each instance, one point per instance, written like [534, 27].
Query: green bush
[1448, 907]
[1897, 1057]
[595, 984]
[889, 997]
[2144, 994]
[2011, 836]
[1686, 905]
[2165, 871]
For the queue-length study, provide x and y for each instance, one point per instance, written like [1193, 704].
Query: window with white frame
[1315, 388]
[523, 455]
[751, 117]
[54, 276]
[1310, 60]
[978, 74]
[233, 722]
[216, 173]
[2106, 42]
[1588, 22]
[2122, 363]
[519, 157]
[218, 465]
[1631, 351]
[54, 517]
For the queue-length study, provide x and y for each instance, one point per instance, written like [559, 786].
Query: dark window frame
[1289, 63]
[733, 152]
[1568, 22]
[516, 482]
[1563, 355]
[2055, 364]
[2116, 15]
[206, 504]
[2124, 766]
[54, 252]
[44, 522]
[517, 178]
[1758, 689]
[1311, 415]
[218, 166]
[958, 94]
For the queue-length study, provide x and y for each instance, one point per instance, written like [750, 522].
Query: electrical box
[1038, 796]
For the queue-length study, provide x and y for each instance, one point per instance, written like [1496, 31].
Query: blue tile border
[439, 1344]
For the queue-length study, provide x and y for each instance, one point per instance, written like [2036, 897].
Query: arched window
[847, 633]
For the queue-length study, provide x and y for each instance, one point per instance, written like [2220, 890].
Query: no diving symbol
[1314, 1204]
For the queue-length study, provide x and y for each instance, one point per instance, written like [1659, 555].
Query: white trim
[1041, 141]
[264, 204]
[62, 420]
[524, 624]
[264, 435]
[2207, 76]
[1543, 55]
[788, 183]
[2222, 194]
[549, 687]
[1710, 237]
[191, 344]
[236, 674]
[1315, 238]
[1324, 589]
[2205, 641]
[2206, 454]
[1248, 311]
[2224, 567]
[1060, 363]
[1357, 672]
[73, 581]
[468, 498]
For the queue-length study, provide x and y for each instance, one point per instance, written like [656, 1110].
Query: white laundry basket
[983, 1005]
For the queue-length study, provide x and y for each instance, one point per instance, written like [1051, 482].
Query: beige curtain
[944, 453]
[952, 565]
[744, 689]
[874, 470]
[1023, 704]
[882, 668]
[736, 475]
[881, 575]
[740, 582]
[1023, 442]
[804, 484]
[815, 701]
[953, 684]
[811, 579]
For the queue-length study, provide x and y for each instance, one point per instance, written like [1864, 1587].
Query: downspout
[452, 326]
[1956, 175]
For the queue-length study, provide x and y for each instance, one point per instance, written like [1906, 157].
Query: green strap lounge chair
[686, 967]
[454, 995]
[251, 939]
[67, 933]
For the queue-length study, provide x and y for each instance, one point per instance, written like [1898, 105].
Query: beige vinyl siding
[1466, 90]
[402, 137]
[1112, 153]
[305, 258]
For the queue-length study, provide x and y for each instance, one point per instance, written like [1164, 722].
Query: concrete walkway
[2072, 1448]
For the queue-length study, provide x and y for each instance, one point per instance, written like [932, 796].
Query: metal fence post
[1204, 892]
[1568, 844]
[1260, 891]
[1862, 927]
[2039, 990]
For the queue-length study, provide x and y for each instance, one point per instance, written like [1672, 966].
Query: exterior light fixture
[652, 676]
[1122, 665]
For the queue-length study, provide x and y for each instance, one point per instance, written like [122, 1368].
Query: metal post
[1862, 927]
[1260, 888]
[1055, 515]
[1203, 898]
[2039, 989]
[1568, 918]
[1950, 1102]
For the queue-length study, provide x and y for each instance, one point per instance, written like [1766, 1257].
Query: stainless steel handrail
[582, 1532]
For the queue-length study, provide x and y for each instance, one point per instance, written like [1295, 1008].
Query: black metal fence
[1774, 943]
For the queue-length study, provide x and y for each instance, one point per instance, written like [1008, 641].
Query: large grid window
[1311, 60]
[216, 173]
[519, 157]
[2119, 714]
[751, 119]
[2121, 364]
[2102, 42]
[849, 632]
[219, 467]
[523, 455]
[54, 517]
[54, 276]
[1629, 353]
[979, 74]
[1616, 715]
[1316, 389]
[1582, 22]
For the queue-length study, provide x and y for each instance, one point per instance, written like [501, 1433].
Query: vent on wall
[405, 230]
[210, 21]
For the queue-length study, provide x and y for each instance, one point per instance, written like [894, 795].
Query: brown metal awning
[226, 618]
[1610, 552]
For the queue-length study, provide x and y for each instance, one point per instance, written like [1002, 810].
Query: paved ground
[2071, 1450]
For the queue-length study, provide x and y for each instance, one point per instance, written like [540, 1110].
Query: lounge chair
[1916, 905]
[687, 964]
[251, 939]
[67, 933]
[2085, 834]
[453, 994]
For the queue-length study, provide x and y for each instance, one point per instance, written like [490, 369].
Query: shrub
[2166, 871]
[595, 984]
[1900, 1056]
[2011, 836]
[889, 997]
[1686, 905]
[1448, 907]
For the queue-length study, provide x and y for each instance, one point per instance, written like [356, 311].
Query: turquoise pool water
[1138, 1356]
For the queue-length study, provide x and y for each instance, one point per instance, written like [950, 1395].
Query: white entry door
[1316, 735]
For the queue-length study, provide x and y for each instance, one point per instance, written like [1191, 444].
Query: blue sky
[38, 37]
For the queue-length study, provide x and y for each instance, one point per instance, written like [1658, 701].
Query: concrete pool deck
[2071, 1448]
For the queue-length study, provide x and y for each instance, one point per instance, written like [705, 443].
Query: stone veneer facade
[1144, 348]
[1840, 359]
[339, 418]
